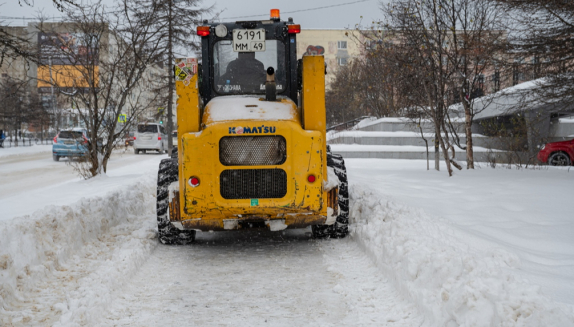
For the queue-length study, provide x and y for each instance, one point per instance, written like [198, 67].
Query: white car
[150, 136]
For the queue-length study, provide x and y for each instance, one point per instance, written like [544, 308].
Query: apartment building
[339, 46]
[61, 51]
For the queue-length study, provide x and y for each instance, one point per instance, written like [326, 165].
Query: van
[150, 136]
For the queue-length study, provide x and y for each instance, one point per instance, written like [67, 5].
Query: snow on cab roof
[229, 108]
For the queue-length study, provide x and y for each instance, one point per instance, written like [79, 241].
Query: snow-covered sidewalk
[489, 247]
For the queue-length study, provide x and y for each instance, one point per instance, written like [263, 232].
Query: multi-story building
[339, 46]
[57, 70]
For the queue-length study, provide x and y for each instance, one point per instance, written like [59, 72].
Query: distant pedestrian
[2, 137]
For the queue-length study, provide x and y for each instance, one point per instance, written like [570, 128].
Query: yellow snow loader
[251, 149]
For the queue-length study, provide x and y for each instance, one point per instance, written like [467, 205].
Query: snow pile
[451, 283]
[332, 180]
[90, 248]
[23, 150]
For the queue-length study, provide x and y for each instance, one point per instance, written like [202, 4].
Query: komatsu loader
[251, 149]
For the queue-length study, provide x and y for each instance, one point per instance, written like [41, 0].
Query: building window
[369, 44]
[4, 75]
[496, 81]
[342, 61]
[480, 80]
[342, 45]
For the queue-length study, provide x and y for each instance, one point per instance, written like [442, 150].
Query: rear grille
[253, 183]
[252, 150]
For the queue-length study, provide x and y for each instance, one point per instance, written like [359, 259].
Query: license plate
[69, 142]
[248, 40]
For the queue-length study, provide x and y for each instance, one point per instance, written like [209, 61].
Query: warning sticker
[180, 74]
[187, 79]
[185, 69]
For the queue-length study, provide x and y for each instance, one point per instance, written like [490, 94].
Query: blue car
[70, 143]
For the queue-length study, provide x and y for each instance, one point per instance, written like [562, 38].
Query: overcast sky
[339, 14]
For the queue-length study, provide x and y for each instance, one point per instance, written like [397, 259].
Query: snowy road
[32, 180]
[260, 278]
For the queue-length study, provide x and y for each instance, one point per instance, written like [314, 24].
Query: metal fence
[348, 124]
[7, 143]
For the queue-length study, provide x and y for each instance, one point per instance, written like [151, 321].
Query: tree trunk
[436, 151]
[426, 143]
[446, 157]
[170, 85]
[468, 133]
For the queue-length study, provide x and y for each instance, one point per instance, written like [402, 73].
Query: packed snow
[231, 108]
[23, 150]
[487, 247]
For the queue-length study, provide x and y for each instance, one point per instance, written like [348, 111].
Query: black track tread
[167, 233]
[340, 228]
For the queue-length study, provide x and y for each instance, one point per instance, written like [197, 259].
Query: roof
[518, 98]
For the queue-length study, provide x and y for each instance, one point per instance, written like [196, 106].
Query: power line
[262, 15]
[300, 10]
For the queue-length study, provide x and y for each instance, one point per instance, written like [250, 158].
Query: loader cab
[236, 56]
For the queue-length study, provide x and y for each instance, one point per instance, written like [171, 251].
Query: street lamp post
[52, 92]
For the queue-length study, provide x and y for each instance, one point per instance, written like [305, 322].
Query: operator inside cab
[245, 72]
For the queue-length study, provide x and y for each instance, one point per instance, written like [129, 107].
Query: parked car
[150, 136]
[70, 143]
[557, 153]
[129, 139]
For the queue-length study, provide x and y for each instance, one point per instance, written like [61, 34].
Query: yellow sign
[68, 76]
[122, 118]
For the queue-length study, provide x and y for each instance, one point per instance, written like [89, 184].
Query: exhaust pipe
[270, 86]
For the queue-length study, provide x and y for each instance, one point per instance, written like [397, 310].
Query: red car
[557, 153]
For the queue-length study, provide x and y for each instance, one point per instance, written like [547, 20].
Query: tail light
[203, 30]
[311, 178]
[194, 181]
[85, 139]
[294, 29]
[158, 136]
[134, 138]
[56, 139]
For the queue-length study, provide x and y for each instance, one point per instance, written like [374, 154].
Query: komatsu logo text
[252, 130]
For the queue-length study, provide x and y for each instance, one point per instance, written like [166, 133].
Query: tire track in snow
[252, 278]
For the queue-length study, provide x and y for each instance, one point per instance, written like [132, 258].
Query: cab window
[245, 72]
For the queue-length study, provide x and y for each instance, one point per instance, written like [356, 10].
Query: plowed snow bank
[90, 247]
[452, 284]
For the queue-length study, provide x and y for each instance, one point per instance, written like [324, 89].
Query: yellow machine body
[200, 130]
